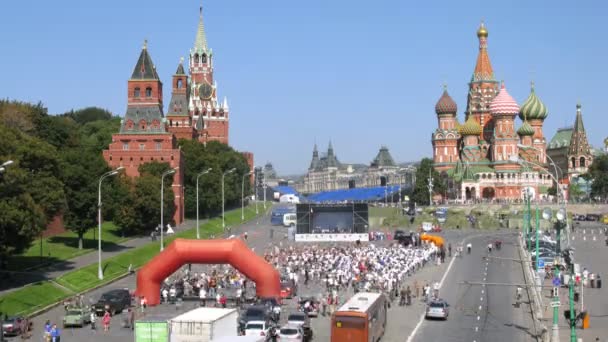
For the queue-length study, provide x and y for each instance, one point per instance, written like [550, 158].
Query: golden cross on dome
[145, 44]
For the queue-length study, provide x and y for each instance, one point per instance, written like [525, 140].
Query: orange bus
[361, 319]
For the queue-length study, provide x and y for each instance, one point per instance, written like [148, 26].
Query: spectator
[55, 334]
[106, 321]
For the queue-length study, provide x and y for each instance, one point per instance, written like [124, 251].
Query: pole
[571, 300]
[99, 269]
[537, 231]
[555, 329]
[264, 188]
[198, 234]
[529, 218]
[243, 197]
[223, 201]
[255, 190]
[162, 205]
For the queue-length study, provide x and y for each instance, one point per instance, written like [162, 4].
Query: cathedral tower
[445, 138]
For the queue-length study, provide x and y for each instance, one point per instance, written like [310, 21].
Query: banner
[331, 237]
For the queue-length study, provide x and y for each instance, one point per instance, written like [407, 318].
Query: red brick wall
[249, 157]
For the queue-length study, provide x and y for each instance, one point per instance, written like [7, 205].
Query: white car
[256, 328]
[291, 332]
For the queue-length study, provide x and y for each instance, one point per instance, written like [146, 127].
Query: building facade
[194, 112]
[326, 172]
[488, 157]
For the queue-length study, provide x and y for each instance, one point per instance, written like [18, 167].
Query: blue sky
[360, 73]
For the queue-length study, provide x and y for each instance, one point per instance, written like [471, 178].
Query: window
[573, 162]
[125, 146]
[158, 145]
[179, 83]
[136, 92]
[582, 162]
[142, 125]
[148, 92]
[142, 147]
[204, 58]
[130, 124]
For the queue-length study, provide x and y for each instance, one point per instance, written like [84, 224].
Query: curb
[534, 295]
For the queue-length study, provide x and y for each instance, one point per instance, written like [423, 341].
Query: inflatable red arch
[182, 251]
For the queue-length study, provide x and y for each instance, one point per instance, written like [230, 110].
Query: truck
[204, 325]
[153, 329]
[290, 220]
[278, 214]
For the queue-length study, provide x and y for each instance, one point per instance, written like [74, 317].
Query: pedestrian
[143, 304]
[47, 330]
[598, 282]
[131, 317]
[450, 250]
[592, 280]
[93, 319]
[55, 334]
[223, 300]
[106, 321]
[417, 288]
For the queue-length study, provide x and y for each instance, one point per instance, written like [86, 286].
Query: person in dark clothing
[450, 250]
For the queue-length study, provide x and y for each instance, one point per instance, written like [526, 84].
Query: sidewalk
[58, 269]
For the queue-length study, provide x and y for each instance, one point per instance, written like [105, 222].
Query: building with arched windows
[487, 157]
[194, 112]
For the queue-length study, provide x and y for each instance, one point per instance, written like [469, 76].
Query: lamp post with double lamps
[198, 234]
[223, 200]
[104, 176]
[255, 189]
[162, 204]
[243, 195]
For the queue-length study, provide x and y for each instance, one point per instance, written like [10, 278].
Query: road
[477, 312]
[402, 320]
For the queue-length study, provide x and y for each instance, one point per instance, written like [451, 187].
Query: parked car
[253, 313]
[291, 332]
[11, 326]
[437, 309]
[76, 316]
[115, 301]
[257, 328]
[288, 290]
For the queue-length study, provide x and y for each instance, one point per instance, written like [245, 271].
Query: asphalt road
[402, 320]
[478, 312]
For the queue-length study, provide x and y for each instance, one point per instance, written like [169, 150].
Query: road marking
[480, 307]
[481, 299]
[476, 329]
[411, 337]
[478, 318]
[482, 291]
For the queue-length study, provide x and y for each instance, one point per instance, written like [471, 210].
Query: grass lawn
[63, 247]
[36, 296]
[31, 298]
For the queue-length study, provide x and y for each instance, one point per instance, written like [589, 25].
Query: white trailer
[204, 325]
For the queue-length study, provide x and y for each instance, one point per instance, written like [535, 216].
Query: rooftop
[361, 302]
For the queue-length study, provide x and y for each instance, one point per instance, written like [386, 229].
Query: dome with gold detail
[471, 127]
[446, 104]
[533, 108]
[482, 31]
[525, 129]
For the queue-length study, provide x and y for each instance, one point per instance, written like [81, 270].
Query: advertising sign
[331, 237]
[151, 332]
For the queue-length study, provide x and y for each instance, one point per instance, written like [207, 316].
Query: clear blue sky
[361, 73]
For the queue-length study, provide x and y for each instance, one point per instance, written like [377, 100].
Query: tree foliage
[420, 194]
[598, 174]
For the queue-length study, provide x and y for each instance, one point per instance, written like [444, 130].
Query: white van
[290, 220]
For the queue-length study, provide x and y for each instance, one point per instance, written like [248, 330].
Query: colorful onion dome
[471, 127]
[525, 129]
[504, 103]
[446, 104]
[482, 31]
[533, 108]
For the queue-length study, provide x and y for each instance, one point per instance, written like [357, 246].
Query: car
[11, 326]
[253, 313]
[291, 332]
[301, 319]
[257, 328]
[403, 237]
[437, 309]
[76, 316]
[288, 290]
[115, 301]
[313, 308]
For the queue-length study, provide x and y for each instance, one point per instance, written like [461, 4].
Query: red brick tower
[143, 135]
[445, 138]
[179, 121]
[482, 90]
[211, 116]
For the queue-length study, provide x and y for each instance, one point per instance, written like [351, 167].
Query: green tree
[598, 174]
[89, 114]
[575, 192]
[420, 194]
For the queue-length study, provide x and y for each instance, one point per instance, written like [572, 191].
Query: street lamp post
[198, 234]
[162, 205]
[223, 201]
[243, 195]
[255, 189]
[264, 188]
[104, 176]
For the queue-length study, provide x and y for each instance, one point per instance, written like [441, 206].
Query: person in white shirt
[202, 294]
[165, 295]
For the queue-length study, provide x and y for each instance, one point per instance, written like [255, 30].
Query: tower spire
[483, 68]
[200, 43]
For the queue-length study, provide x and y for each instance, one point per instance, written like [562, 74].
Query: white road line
[478, 318]
[476, 329]
[480, 307]
[482, 291]
[411, 337]
[481, 299]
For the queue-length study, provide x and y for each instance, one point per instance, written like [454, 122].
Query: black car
[253, 313]
[403, 237]
[115, 301]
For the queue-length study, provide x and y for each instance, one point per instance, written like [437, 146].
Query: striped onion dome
[471, 127]
[533, 108]
[525, 129]
[446, 104]
[503, 103]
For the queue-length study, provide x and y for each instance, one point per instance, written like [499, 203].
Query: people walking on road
[490, 247]
[55, 334]
[469, 247]
[106, 321]
[450, 250]
[93, 319]
[47, 331]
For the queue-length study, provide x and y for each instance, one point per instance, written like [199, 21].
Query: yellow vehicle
[605, 218]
